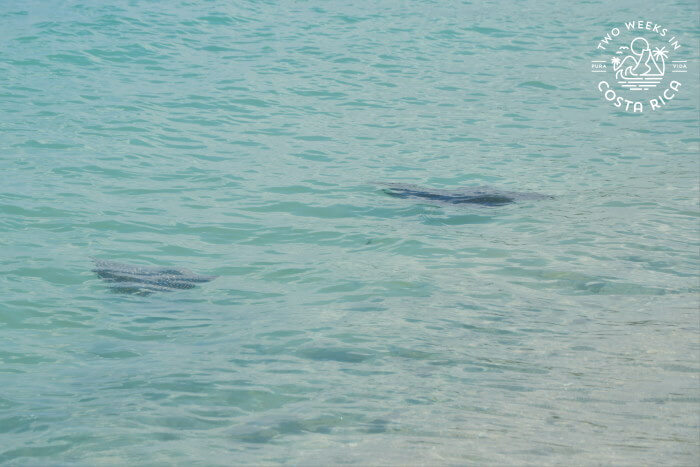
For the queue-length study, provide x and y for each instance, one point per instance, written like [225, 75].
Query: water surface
[244, 140]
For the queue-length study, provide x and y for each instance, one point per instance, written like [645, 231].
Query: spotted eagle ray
[127, 278]
[481, 195]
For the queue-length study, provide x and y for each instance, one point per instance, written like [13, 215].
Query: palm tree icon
[660, 53]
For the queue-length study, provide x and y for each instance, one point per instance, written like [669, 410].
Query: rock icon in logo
[642, 68]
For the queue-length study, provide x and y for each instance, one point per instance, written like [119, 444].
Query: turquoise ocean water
[246, 139]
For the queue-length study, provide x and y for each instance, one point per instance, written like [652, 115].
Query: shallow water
[346, 325]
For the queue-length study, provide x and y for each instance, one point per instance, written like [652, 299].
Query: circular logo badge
[635, 66]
